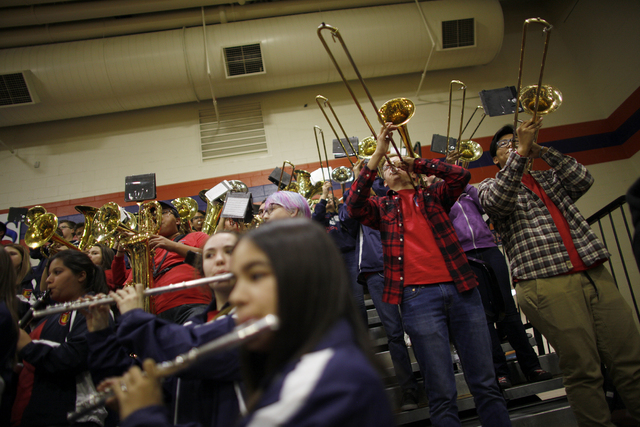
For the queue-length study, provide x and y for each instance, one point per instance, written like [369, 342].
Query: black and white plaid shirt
[530, 236]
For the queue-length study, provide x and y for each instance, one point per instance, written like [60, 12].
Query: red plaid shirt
[385, 214]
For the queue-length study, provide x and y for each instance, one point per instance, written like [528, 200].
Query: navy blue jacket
[332, 386]
[58, 362]
[340, 227]
[206, 393]
[368, 244]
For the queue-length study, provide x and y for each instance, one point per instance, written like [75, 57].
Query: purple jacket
[466, 216]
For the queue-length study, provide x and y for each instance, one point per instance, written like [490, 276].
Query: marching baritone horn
[42, 229]
[187, 209]
[107, 224]
[87, 240]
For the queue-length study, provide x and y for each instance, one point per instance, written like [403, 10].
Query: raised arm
[574, 177]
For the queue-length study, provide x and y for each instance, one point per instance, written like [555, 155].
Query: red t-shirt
[423, 261]
[561, 223]
[180, 273]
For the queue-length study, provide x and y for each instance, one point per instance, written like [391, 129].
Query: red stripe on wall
[257, 178]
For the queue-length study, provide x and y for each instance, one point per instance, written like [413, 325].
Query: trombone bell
[470, 151]
[367, 147]
[397, 111]
[550, 99]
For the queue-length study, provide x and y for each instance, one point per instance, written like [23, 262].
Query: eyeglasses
[62, 227]
[388, 166]
[503, 143]
[273, 207]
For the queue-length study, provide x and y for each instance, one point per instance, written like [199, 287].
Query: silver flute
[229, 341]
[80, 304]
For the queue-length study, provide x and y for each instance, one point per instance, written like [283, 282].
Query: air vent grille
[14, 90]
[241, 131]
[459, 33]
[243, 60]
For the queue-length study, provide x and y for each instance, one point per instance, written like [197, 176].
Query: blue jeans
[392, 323]
[435, 314]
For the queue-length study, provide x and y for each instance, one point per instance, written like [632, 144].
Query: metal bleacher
[530, 404]
[526, 407]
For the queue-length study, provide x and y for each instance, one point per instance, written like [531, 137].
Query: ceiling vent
[15, 89]
[458, 33]
[243, 60]
[241, 131]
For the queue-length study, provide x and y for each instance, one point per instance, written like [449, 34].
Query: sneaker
[409, 400]
[504, 382]
[539, 375]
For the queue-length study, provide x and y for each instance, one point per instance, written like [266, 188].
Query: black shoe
[409, 400]
[539, 375]
[504, 382]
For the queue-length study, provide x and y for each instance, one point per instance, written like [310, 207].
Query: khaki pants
[587, 325]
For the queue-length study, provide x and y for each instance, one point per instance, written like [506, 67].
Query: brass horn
[470, 151]
[393, 106]
[187, 209]
[291, 186]
[212, 214]
[535, 99]
[463, 88]
[317, 129]
[42, 229]
[324, 100]
[399, 111]
[342, 175]
[111, 222]
[33, 213]
[87, 240]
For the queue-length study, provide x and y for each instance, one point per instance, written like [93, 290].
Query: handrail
[619, 202]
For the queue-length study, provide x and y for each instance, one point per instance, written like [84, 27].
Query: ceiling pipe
[87, 30]
[57, 13]
[19, 3]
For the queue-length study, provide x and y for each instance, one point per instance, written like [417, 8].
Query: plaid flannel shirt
[528, 232]
[385, 214]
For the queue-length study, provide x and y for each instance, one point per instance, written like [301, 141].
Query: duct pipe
[56, 13]
[20, 3]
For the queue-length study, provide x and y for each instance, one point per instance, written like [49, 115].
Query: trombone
[397, 111]
[535, 99]
[469, 150]
[291, 186]
[317, 129]
[324, 100]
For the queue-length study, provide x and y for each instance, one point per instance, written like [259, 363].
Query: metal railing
[612, 234]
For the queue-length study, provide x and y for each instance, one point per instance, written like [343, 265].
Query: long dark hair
[313, 294]
[107, 256]
[25, 266]
[79, 262]
[8, 285]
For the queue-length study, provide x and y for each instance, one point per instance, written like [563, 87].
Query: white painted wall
[591, 59]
